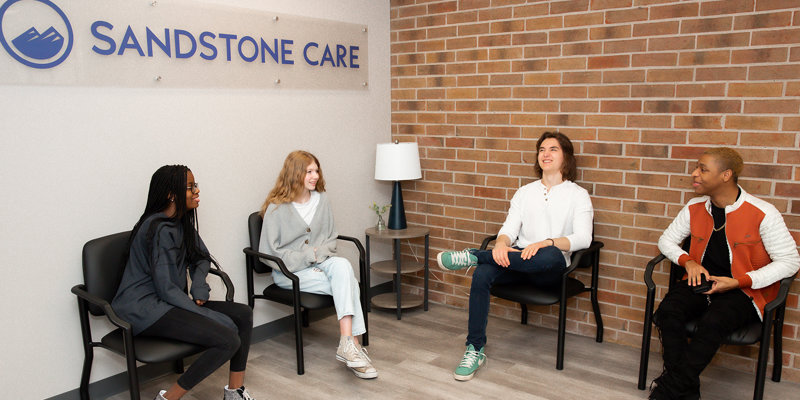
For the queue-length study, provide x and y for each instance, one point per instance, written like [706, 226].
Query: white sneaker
[236, 394]
[161, 395]
[367, 372]
[350, 354]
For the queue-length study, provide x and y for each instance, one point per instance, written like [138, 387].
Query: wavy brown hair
[569, 169]
[289, 184]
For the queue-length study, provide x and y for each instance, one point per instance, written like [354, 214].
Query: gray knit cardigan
[286, 235]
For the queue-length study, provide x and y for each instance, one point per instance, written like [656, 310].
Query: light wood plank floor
[415, 358]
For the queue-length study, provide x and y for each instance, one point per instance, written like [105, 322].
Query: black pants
[683, 360]
[222, 342]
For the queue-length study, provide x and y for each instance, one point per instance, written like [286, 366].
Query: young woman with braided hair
[164, 245]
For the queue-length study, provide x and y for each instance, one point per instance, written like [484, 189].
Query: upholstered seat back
[104, 262]
[254, 223]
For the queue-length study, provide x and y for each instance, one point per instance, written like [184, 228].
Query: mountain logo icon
[39, 46]
[31, 48]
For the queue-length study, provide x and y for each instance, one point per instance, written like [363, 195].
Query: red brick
[762, 20]
[654, 60]
[608, 91]
[716, 106]
[666, 106]
[762, 5]
[671, 43]
[787, 189]
[771, 106]
[736, 89]
[726, 7]
[584, 19]
[494, 13]
[776, 72]
[751, 122]
[721, 74]
[637, 75]
[670, 75]
[681, 10]
[791, 124]
[714, 137]
[649, 121]
[667, 90]
[705, 25]
[568, 6]
[705, 57]
[618, 61]
[462, 17]
[723, 40]
[627, 15]
[531, 10]
[568, 35]
[772, 37]
[656, 28]
[767, 171]
[652, 136]
[624, 46]
[775, 139]
[582, 48]
[626, 106]
[606, 121]
[567, 63]
[544, 23]
[579, 106]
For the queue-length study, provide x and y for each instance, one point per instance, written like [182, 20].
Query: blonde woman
[298, 228]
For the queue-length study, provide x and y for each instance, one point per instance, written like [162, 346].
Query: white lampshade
[397, 161]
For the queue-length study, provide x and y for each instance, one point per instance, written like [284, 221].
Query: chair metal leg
[524, 316]
[645, 356]
[298, 339]
[562, 327]
[763, 355]
[598, 317]
[777, 347]
[87, 371]
[133, 374]
[177, 366]
[305, 318]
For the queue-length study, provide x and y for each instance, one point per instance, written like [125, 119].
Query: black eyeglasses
[194, 187]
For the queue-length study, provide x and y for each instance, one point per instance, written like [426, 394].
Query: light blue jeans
[333, 277]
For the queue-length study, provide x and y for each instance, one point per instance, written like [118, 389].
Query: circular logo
[27, 44]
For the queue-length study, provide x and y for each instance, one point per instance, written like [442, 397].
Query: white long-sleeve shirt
[537, 214]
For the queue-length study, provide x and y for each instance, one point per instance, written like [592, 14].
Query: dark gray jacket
[155, 281]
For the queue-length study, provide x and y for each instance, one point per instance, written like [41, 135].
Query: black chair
[302, 302]
[104, 261]
[525, 293]
[754, 333]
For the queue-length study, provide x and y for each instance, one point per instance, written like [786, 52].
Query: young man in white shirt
[547, 220]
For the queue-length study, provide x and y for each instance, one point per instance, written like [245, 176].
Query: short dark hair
[569, 170]
[727, 159]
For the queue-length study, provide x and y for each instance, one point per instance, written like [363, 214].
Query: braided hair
[168, 186]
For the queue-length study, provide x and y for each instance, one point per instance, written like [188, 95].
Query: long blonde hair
[289, 184]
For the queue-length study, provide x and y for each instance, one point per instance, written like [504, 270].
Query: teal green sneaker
[469, 364]
[456, 260]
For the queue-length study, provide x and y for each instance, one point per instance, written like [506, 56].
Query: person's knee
[483, 275]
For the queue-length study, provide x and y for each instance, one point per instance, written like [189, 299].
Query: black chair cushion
[104, 262]
[526, 293]
[150, 349]
[747, 335]
[310, 301]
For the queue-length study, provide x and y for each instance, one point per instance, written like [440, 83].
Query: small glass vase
[381, 225]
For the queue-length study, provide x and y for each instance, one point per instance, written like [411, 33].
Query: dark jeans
[222, 342]
[543, 269]
[685, 360]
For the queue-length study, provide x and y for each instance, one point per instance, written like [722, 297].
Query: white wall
[76, 161]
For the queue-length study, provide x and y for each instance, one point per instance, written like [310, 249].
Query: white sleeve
[782, 251]
[670, 241]
[582, 221]
[513, 222]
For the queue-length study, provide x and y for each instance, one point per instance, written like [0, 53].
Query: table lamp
[397, 162]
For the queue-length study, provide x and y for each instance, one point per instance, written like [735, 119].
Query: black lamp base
[397, 214]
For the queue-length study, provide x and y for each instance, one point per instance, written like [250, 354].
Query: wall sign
[177, 43]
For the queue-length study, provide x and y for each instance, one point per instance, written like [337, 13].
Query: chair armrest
[488, 240]
[783, 291]
[277, 260]
[593, 248]
[80, 291]
[229, 289]
[648, 272]
[361, 252]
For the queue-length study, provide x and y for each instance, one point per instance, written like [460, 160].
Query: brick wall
[641, 86]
